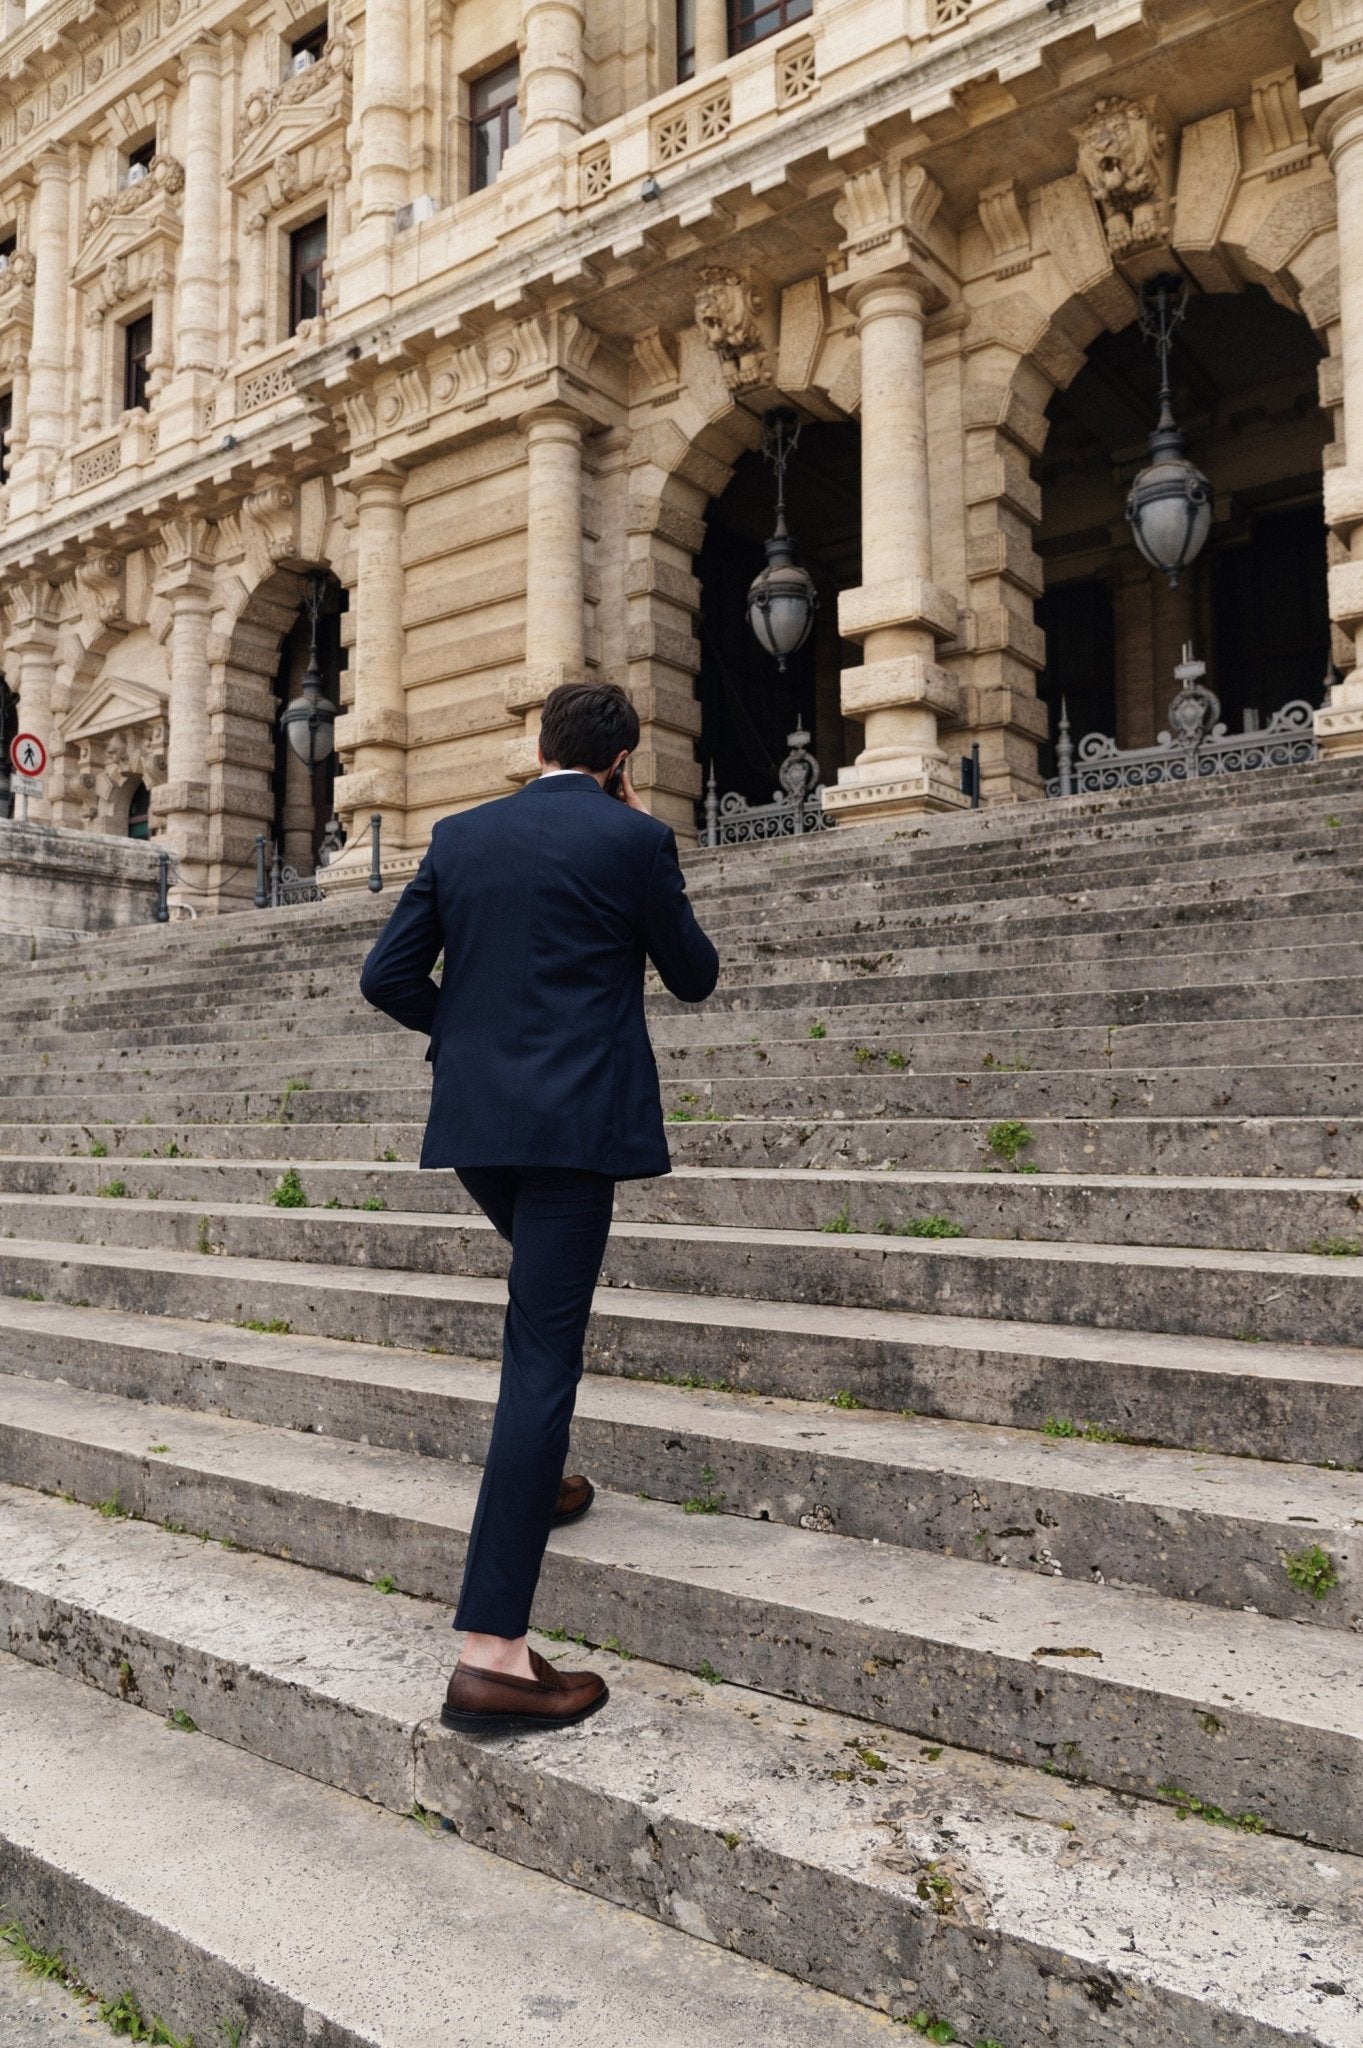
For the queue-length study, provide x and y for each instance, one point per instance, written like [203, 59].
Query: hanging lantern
[309, 721]
[781, 598]
[1169, 506]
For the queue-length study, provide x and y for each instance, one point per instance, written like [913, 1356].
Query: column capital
[1340, 125]
[384, 483]
[202, 55]
[554, 422]
[52, 161]
[900, 294]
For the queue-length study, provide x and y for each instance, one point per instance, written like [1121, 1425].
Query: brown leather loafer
[575, 1496]
[486, 1703]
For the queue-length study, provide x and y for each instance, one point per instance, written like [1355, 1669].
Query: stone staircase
[977, 1414]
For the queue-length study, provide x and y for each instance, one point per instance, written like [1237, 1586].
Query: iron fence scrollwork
[796, 807]
[1195, 745]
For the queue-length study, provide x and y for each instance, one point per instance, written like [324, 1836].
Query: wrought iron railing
[1195, 745]
[795, 808]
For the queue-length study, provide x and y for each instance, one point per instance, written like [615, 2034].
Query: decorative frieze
[796, 76]
[696, 124]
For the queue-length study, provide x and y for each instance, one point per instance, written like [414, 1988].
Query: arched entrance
[303, 799]
[1254, 604]
[748, 707]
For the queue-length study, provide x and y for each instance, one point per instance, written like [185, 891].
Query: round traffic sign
[28, 754]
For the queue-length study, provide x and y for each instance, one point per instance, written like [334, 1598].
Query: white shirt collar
[545, 773]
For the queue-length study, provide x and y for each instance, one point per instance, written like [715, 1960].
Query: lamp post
[1169, 506]
[781, 597]
[310, 720]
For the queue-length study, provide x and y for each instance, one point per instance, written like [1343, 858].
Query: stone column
[47, 356]
[374, 730]
[181, 803]
[383, 104]
[30, 670]
[712, 34]
[898, 614]
[1339, 722]
[553, 75]
[198, 318]
[554, 584]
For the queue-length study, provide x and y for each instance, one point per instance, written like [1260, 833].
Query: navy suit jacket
[545, 905]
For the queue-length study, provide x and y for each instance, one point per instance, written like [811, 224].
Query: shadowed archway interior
[1254, 604]
[748, 708]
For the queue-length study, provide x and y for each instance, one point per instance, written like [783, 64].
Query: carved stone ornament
[1121, 150]
[165, 176]
[19, 274]
[337, 62]
[727, 306]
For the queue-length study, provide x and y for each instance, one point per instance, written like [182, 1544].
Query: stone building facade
[460, 321]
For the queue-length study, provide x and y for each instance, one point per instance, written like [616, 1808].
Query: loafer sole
[510, 1723]
[573, 1514]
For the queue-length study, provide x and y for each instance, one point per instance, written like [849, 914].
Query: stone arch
[1028, 337]
[689, 431]
[265, 552]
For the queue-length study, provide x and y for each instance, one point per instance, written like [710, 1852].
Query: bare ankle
[509, 1655]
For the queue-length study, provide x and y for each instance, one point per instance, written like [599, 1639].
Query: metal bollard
[1064, 752]
[375, 828]
[975, 776]
[262, 895]
[162, 914]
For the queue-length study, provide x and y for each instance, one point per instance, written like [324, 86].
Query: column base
[893, 790]
[1339, 727]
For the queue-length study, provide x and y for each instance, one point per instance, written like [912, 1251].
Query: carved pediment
[111, 704]
[288, 119]
[143, 219]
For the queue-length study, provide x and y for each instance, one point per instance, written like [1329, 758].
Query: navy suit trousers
[557, 1220]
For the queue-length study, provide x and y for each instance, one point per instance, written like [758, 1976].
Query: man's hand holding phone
[618, 784]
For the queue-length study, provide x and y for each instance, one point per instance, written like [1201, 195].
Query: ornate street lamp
[1170, 503]
[310, 720]
[781, 597]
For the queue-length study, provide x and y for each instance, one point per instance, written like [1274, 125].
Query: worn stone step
[219, 1887]
[1294, 1146]
[1240, 1396]
[1281, 1296]
[879, 1090]
[928, 1880]
[343, 1057]
[1221, 1212]
[1188, 1524]
[1125, 1689]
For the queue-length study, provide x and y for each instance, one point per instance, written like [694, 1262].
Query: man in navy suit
[546, 905]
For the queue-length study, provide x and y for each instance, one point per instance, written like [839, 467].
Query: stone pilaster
[898, 614]
[1339, 722]
[712, 34]
[30, 670]
[181, 803]
[46, 421]
[553, 76]
[555, 650]
[374, 730]
[383, 105]
[198, 307]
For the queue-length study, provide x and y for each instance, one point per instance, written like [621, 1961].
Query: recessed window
[136, 351]
[307, 255]
[6, 423]
[8, 245]
[305, 50]
[139, 812]
[686, 39]
[752, 21]
[494, 121]
[138, 161]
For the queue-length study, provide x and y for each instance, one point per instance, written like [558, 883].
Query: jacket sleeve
[396, 977]
[678, 948]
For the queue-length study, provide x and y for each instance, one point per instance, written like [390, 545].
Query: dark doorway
[304, 802]
[748, 707]
[1254, 604]
[9, 726]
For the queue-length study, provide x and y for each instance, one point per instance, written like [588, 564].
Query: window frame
[6, 429]
[784, 15]
[136, 365]
[298, 273]
[504, 116]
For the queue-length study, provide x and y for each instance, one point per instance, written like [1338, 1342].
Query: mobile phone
[615, 781]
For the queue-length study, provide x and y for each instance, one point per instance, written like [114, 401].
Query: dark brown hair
[585, 725]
